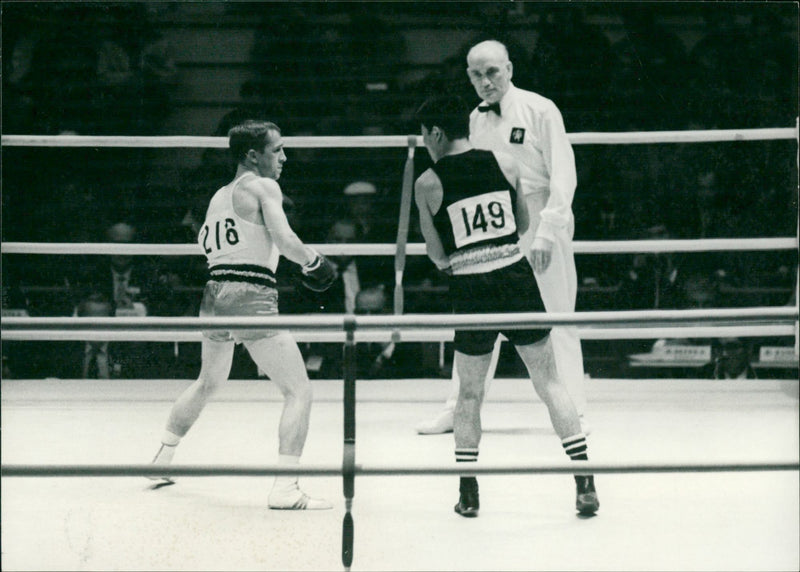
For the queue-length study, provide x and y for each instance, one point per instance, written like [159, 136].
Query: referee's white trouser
[559, 288]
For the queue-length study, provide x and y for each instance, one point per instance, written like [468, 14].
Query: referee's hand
[541, 254]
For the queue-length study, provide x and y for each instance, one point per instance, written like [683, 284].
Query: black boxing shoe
[586, 501]
[468, 501]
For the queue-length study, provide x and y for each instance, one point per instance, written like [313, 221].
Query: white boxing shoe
[442, 423]
[295, 499]
[162, 459]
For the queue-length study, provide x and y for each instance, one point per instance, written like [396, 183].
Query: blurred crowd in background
[354, 69]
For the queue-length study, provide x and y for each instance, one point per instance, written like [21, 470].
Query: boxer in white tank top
[243, 236]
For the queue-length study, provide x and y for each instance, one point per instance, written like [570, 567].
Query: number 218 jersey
[476, 222]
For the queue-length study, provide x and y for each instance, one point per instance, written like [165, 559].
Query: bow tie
[490, 107]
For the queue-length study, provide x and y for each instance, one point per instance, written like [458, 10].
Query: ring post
[402, 231]
[797, 274]
[349, 454]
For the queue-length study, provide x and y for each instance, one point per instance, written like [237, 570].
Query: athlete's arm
[428, 196]
[270, 199]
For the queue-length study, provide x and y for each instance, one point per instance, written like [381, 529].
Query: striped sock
[466, 455]
[576, 447]
[468, 482]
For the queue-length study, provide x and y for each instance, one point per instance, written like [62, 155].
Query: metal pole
[349, 455]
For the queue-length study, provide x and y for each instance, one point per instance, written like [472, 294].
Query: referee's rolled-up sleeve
[560, 161]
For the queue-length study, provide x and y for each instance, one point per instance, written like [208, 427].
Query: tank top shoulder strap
[234, 183]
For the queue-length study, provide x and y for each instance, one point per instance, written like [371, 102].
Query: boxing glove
[319, 274]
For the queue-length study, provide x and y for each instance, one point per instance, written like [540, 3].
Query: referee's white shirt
[531, 129]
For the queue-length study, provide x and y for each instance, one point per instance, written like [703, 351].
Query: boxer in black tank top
[471, 215]
[477, 223]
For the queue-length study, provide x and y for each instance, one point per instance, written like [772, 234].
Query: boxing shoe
[468, 501]
[442, 423]
[586, 502]
[162, 459]
[295, 499]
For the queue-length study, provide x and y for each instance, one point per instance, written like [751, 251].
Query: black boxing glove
[319, 274]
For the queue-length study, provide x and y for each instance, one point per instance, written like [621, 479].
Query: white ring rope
[580, 247]
[439, 335]
[568, 467]
[370, 141]
[784, 315]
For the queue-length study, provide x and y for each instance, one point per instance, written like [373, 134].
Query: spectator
[340, 297]
[345, 231]
[731, 360]
[96, 362]
[651, 281]
[362, 205]
[16, 354]
[127, 285]
[600, 219]
[354, 275]
[390, 360]
[374, 359]
[131, 285]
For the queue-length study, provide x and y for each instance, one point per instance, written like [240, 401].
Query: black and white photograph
[400, 285]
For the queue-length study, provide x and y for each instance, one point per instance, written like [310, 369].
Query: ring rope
[441, 335]
[402, 229]
[564, 467]
[580, 247]
[785, 315]
[369, 141]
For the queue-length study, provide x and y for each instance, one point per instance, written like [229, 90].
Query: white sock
[286, 482]
[170, 439]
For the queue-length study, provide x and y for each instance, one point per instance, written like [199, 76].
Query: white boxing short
[238, 299]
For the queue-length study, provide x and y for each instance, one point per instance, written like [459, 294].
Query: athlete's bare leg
[279, 357]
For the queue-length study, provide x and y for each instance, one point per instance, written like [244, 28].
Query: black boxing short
[506, 290]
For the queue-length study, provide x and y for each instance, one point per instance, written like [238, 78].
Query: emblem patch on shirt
[517, 135]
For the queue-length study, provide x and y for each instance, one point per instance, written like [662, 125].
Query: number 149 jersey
[477, 220]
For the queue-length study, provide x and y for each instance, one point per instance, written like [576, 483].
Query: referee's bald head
[489, 49]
